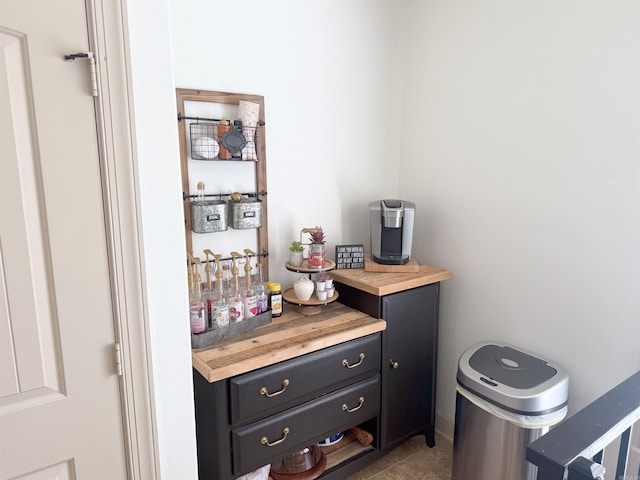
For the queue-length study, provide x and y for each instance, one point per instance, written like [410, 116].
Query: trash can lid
[511, 367]
[513, 379]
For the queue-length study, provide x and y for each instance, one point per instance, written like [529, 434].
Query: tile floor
[412, 460]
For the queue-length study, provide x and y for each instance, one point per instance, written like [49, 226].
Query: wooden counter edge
[385, 283]
[413, 283]
[297, 348]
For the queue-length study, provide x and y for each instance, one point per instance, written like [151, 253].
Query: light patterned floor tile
[412, 460]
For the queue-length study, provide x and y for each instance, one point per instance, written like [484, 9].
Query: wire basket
[204, 141]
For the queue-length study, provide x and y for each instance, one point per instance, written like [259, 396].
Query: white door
[60, 410]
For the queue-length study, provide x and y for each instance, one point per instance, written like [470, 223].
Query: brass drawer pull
[265, 440]
[264, 391]
[346, 363]
[346, 408]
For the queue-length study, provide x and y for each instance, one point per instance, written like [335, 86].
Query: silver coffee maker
[391, 223]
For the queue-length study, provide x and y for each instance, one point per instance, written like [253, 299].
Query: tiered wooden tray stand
[313, 305]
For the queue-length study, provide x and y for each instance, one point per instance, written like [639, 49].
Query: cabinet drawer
[283, 385]
[267, 440]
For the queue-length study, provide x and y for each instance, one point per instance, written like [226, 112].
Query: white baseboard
[444, 427]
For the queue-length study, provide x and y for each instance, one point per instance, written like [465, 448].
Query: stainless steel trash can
[505, 399]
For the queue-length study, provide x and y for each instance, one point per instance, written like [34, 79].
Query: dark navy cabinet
[382, 382]
[409, 358]
[249, 420]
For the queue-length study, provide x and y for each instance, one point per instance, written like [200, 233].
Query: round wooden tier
[307, 307]
[305, 268]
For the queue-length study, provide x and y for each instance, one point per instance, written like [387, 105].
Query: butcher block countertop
[390, 282]
[288, 336]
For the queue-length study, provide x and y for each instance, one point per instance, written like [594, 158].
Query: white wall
[158, 167]
[329, 136]
[520, 124]
[326, 70]
[526, 174]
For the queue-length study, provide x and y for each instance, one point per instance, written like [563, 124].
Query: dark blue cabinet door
[409, 362]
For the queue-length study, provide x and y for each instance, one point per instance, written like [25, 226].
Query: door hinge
[118, 355]
[92, 69]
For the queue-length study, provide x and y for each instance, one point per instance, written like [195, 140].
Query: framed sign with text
[349, 256]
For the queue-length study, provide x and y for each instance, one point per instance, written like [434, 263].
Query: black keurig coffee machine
[391, 224]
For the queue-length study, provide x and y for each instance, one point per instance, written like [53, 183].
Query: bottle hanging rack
[220, 195]
[222, 259]
[181, 117]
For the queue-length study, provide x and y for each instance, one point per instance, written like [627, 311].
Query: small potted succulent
[295, 253]
[317, 255]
